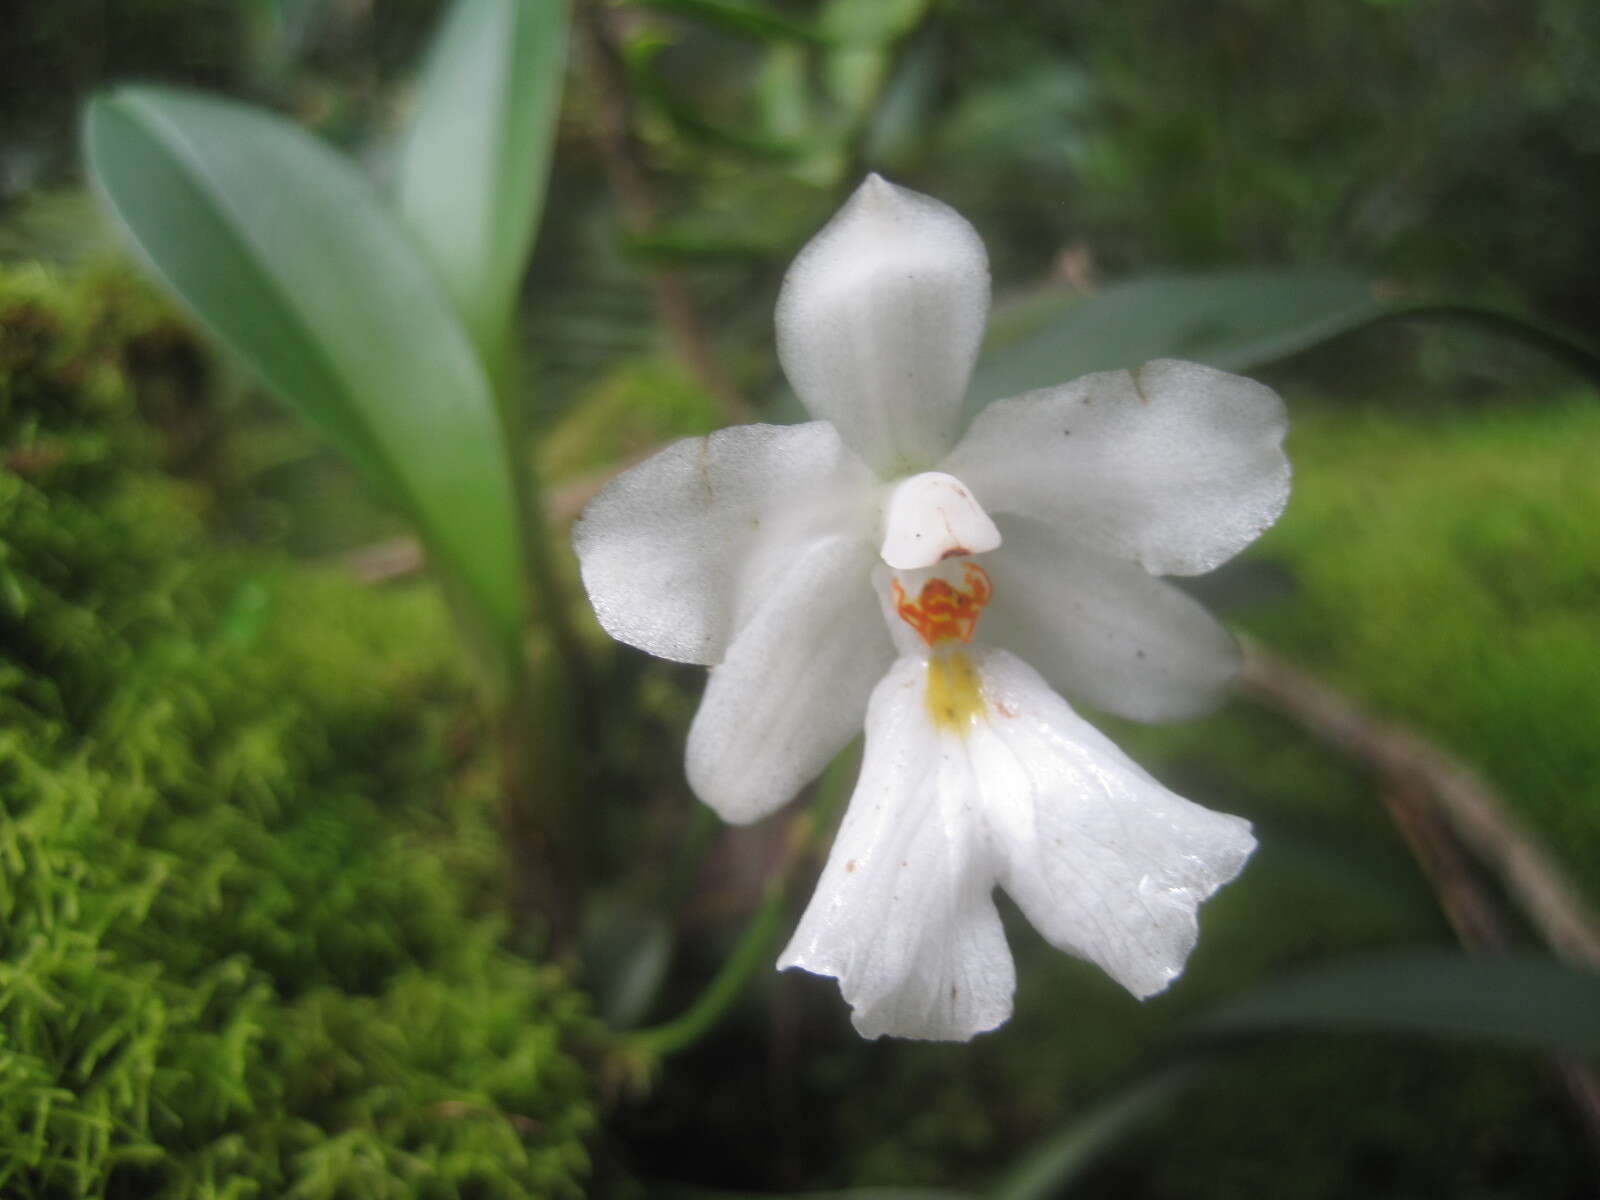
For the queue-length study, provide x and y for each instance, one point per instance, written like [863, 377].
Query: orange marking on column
[943, 612]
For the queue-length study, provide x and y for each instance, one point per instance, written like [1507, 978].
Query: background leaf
[1533, 1000]
[473, 171]
[1231, 320]
[1051, 1167]
[283, 252]
[1235, 320]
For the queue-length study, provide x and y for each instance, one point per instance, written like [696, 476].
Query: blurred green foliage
[248, 942]
[242, 775]
[1437, 141]
[1450, 147]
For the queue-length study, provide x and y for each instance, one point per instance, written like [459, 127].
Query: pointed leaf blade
[282, 251]
[1232, 320]
[473, 170]
[1535, 1001]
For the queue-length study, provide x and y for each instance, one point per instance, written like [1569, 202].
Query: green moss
[1449, 575]
[248, 866]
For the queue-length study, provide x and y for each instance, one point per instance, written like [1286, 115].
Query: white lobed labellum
[1012, 790]
[932, 517]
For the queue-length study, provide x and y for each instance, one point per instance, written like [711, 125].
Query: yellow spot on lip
[955, 692]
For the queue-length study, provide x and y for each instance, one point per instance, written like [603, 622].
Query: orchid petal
[903, 915]
[1173, 465]
[1102, 629]
[792, 688]
[1105, 862]
[677, 552]
[879, 323]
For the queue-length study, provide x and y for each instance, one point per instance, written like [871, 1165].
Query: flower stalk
[758, 942]
[548, 711]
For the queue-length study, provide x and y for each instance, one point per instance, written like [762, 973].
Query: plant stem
[759, 939]
[547, 591]
[549, 713]
[543, 870]
[1468, 805]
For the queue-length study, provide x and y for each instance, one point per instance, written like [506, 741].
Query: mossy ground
[249, 873]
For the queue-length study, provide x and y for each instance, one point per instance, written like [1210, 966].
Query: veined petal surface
[879, 323]
[903, 915]
[1107, 863]
[791, 690]
[1173, 465]
[677, 552]
[1104, 861]
[1102, 629]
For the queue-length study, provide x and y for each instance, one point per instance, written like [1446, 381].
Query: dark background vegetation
[262, 788]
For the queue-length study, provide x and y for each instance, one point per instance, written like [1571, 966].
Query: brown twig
[1465, 801]
[1467, 904]
[1473, 913]
[631, 183]
[1438, 803]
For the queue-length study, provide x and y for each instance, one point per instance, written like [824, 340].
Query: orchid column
[876, 563]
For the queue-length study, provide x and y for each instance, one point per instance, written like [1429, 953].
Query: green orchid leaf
[1535, 1001]
[283, 252]
[472, 173]
[781, 94]
[850, 22]
[859, 57]
[626, 951]
[1061, 1159]
[1233, 320]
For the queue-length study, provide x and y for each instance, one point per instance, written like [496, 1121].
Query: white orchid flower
[840, 570]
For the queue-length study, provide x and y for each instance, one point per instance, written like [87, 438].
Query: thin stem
[759, 939]
[1471, 808]
[548, 714]
[547, 590]
[543, 873]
